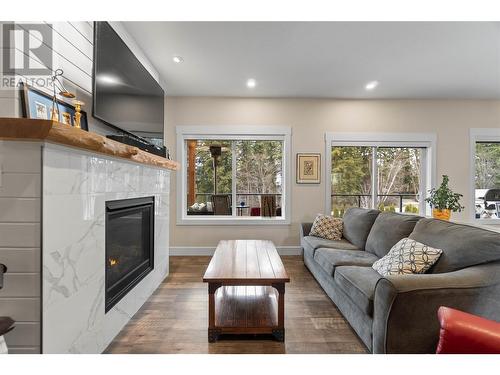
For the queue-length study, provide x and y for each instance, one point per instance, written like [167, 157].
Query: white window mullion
[233, 179]
[374, 178]
[423, 181]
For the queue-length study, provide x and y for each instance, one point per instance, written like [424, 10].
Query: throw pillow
[327, 227]
[406, 257]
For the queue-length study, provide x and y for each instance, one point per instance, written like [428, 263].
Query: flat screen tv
[125, 96]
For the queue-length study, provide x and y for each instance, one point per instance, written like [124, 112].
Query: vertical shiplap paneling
[20, 208]
[72, 49]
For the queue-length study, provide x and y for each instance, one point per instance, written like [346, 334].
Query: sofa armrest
[305, 228]
[472, 277]
[405, 307]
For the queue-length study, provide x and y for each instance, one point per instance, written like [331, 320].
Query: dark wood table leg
[213, 332]
[279, 333]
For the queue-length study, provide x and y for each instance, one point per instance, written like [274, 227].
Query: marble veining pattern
[76, 186]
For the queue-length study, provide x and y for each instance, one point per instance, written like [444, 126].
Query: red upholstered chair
[255, 211]
[463, 333]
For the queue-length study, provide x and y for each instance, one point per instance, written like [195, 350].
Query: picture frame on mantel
[36, 104]
[308, 168]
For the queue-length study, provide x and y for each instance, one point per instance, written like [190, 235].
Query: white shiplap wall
[72, 50]
[20, 207]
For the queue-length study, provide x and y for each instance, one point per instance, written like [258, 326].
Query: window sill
[202, 221]
[486, 221]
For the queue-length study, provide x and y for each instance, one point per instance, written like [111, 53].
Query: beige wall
[310, 119]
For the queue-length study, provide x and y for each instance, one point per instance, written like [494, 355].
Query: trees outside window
[387, 178]
[257, 170]
[487, 180]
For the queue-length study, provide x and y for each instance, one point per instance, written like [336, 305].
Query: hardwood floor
[175, 319]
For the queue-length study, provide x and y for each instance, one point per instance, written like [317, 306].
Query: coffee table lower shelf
[245, 309]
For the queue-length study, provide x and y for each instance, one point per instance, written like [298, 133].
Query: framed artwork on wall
[38, 105]
[308, 168]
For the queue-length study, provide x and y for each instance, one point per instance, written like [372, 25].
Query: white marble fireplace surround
[76, 185]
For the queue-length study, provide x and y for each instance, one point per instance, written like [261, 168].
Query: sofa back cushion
[388, 229]
[357, 225]
[462, 245]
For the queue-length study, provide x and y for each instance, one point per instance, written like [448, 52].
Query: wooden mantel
[52, 131]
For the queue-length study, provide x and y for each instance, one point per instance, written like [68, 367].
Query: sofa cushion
[462, 245]
[357, 225]
[329, 259]
[359, 284]
[316, 243]
[327, 227]
[387, 230]
[407, 257]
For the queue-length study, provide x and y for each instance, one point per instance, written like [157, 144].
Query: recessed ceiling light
[251, 83]
[177, 59]
[371, 85]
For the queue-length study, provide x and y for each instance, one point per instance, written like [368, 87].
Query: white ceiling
[325, 59]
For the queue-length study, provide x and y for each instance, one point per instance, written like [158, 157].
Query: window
[390, 172]
[233, 176]
[485, 144]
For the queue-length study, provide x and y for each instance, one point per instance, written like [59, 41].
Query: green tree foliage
[487, 165]
[259, 168]
[204, 174]
[398, 173]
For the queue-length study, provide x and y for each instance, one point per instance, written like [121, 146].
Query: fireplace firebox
[129, 245]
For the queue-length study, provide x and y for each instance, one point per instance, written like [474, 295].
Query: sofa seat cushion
[359, 284]
[387, 230]
[316, 242]
[329, 259]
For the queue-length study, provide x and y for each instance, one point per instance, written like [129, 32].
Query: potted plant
[444, 201]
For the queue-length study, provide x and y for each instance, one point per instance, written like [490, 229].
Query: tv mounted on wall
[125, 96]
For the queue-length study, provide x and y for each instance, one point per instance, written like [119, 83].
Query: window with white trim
[233, 175]
[485, 167]
[389, 172]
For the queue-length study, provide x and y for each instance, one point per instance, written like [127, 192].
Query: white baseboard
[209, 251]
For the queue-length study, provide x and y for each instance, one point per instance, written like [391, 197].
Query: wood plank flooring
[175, 319]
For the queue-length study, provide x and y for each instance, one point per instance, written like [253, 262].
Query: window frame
[479, 135]
[233, 133]
[415, 140]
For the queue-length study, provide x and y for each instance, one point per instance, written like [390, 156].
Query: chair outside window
[492, 203]
[221, 204]
[268, 205]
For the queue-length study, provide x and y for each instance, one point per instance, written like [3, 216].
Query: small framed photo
[41, 111]
[38, 105]
[66, 118]
[308, 168]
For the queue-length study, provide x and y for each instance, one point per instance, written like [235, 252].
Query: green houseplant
[444, 201]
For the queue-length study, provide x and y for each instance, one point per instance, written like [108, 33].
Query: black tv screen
[125, 96]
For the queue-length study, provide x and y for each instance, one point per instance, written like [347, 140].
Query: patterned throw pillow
[327, 227]
[406, 257]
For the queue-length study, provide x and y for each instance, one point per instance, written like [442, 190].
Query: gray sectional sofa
[398, 314]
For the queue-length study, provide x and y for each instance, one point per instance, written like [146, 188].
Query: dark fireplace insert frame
[114, 293]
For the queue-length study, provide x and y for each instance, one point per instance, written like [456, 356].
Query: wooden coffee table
[246, 289]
